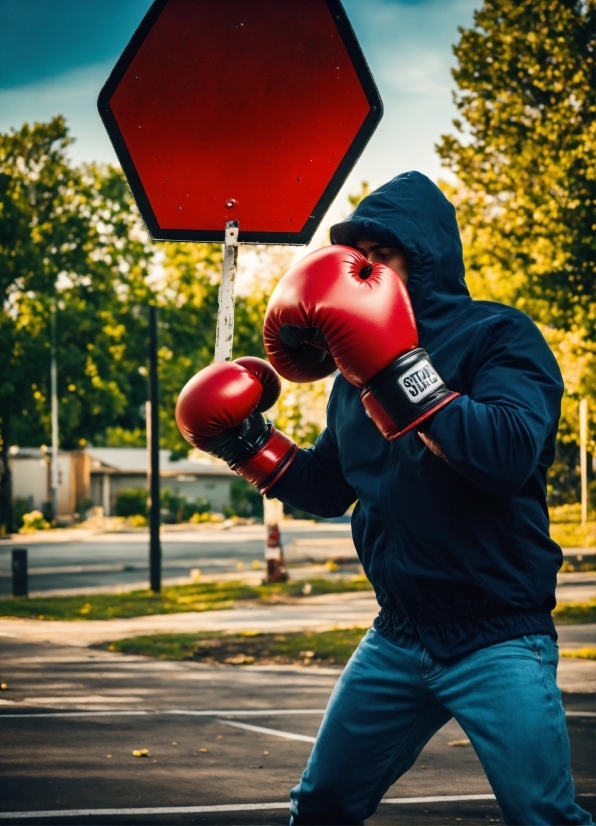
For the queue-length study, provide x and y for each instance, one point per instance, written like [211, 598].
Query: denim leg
[506, 699]
[379, 718]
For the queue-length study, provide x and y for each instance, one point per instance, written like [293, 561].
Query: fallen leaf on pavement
[140, 753]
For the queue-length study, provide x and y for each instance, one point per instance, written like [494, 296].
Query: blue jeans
[392, 697]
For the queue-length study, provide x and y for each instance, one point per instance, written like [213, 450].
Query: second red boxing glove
[220, 411]
[335, 310]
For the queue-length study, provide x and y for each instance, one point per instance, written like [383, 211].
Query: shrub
[245, 499]
[174, 507]
[20, 508]
[178, 509]
[132, 502]
[34, 521]
[84, 506]
[574, 534]
[196, 518]
[566, 513]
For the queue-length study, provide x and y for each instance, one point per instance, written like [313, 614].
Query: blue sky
[56, 55]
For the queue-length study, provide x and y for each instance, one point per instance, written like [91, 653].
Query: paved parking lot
[224, 744]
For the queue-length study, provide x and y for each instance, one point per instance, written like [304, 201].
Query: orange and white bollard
[274, 558]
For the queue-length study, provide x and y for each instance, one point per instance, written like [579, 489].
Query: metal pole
[148, 440]
[583, 456]
[224, 333]
[154, 503]
[54, 409]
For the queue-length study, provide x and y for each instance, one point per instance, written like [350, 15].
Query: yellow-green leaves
[523, 155]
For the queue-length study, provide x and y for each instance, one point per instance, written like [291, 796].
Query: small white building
[100, 474]
[31, 478]
[114, 469]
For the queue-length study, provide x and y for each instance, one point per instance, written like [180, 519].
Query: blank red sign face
[232, 110]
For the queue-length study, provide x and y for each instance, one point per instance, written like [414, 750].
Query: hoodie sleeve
[494, 435]
[314, 481]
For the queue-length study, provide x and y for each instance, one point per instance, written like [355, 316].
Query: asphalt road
[121, 559]
[242, 751]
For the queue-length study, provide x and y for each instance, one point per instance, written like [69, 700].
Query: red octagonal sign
[245, 110]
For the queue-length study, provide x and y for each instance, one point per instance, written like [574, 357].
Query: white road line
[226, 807]
[287, 735]
[580, 713]
[259, 712]
[448, 798]
[262, 712]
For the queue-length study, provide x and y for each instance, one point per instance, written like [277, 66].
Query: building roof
[135, 460]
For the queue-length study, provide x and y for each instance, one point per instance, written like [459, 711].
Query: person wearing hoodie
[450, 524]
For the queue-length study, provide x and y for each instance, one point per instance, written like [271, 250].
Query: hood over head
[411, 211]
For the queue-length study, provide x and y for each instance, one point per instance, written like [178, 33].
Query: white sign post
[276, 570]
[224, 333]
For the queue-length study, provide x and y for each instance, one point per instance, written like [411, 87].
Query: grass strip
[585, 653]
[575, 613]
[175, 599]
[214, 596]
[248, 648]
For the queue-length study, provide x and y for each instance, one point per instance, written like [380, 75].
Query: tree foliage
[523, 155]
[78, 249]
[71, 239]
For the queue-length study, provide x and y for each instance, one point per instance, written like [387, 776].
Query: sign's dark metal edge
[111, 125]
[299, 238]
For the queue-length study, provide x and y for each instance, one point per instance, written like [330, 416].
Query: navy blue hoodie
[459, 544]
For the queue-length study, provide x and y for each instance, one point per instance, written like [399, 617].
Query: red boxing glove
[335, 310]
[220, 411]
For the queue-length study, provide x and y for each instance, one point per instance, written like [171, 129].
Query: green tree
[186, 284]
[186, 296]
[69, 239]
[523, 155]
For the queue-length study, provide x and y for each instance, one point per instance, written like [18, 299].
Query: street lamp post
[153, 447]
[54, 409]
